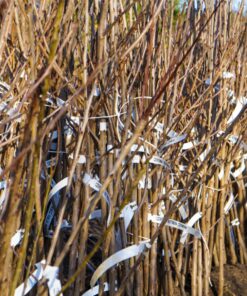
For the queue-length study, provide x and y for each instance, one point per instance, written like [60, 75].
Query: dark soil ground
[235, 280]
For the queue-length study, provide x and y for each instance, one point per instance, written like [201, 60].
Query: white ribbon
[189, 145]
[186, 228]
[103, 126]
[190, 223]
[81, 159]
[145, 182]
[239, 106]
[49, 272]
[240, 170]
[235, 222]
[159, 161]
[95, 290]
[118, 257]
[17, 238]
[128, 213]
[59, 186]
[229, 203]
[228, 75]
[221, 173]
[181, 208]
[3, 185]
[96, 185]
[173, 141]
[136, 159]
[141, 148]
[95, 215]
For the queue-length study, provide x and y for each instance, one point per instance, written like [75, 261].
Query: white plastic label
[159, 161]
[128, 213]
[228, 75]
[17, 238]
[95, 290]
[145, 183]
[186, 228]
[181, 208]
[60, 185]
[136, 159]
[189, 145]
[3, 185]
[229, 203]
[240, 170]
[159, 127]
[116, 258]
[190, 223]
[235, 222]
[173, 141]
[95, 185]
[49, 272]
[141, 149]
[81, 158]
[103, 126]
[240, 104]
[221, 173]
[110, 148]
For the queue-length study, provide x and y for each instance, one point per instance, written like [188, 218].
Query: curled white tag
[229, 203]
[49, 272]
[228, 75]
[221, 173]
[239, 106]
[240, 170]
[75, 119]
[54, 284]
[17, 238]
[110, 148]
[65, 224]
[103, 126]
[60, 185]
[31, 281]
[116, 258]
[173, 141]
[54, 193]
[235, 222]
[81, 158]
[182, 168]
[141, 148]
[181, 208]
[3, 196]
[95, 290]
[95, 215]
[172, 134]
[159, 127]
[159, 161]
[145, 182]
[3, 185]
[204, 154]
[60, 102]
[189, 145]
[4, 85]
[96, 92]
[128, 213]
[175, 224]
[136, 159]
[190, 223]
[96, 185]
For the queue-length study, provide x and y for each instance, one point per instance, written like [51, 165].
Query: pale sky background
[236, 4]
